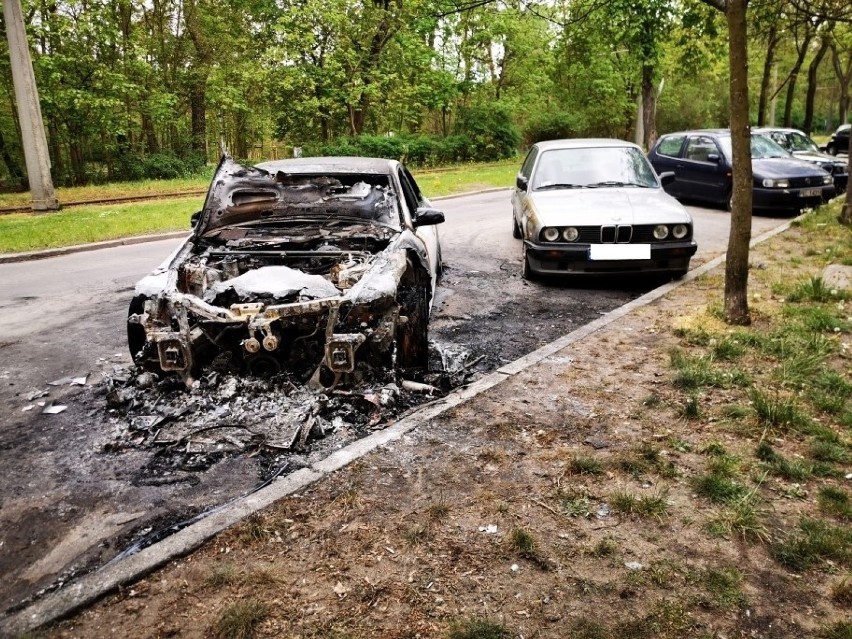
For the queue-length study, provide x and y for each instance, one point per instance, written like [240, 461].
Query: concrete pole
[29, 110]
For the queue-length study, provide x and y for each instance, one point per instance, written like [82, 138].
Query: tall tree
[736, 263]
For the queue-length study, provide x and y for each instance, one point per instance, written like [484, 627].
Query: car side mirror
[713, 157]
[667, 177]
[193, 221]
[522, 182]
[426, 216]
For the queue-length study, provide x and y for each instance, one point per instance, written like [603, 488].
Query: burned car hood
[240, 194]
[607, 205]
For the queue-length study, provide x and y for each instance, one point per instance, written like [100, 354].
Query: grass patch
[840, 630]
[222, 574]
[478, 629]
[80, 225]
[668, 619]
[835, 502]
[814, 541]
[841, 593]
[693, 372]
[585, 466]
[719, 485]
[811, 290]
[778, 411]
[655, 506]
[239, 620]
[724, 588]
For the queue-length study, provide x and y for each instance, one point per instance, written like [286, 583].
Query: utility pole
[29, 110]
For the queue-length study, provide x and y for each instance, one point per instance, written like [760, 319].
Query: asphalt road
[68, 502]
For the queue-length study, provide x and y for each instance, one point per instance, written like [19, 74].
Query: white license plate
[620, 252]
[810, 192]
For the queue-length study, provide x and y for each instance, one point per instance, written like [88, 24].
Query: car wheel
[412, 338]
[831, 150]
[516, 229]
[527, 273]
[136, 339]
[729, 201]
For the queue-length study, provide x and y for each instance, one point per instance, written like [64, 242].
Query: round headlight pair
[551, 234]
[678, 231]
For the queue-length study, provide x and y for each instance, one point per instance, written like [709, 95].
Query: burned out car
[320, 267]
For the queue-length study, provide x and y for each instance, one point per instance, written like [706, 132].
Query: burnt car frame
[321, 267]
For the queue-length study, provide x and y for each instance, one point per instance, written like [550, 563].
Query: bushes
[488, 134]
[156, 166]
[553, 126]
[416, 150]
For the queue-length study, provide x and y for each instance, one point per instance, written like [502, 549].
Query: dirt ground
[560, 503]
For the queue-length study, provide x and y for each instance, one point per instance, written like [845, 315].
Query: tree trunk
[13, 166]
[791, 84]
[846, 211]
[151, 143]
[198, 111]
[844, 78]
[736, 266]
[813, 68]
[771, 42]
[649, 107]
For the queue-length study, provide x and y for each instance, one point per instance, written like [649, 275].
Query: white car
[596, 206]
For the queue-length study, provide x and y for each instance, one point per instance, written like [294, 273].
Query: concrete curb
[90, 588]
[8, 258]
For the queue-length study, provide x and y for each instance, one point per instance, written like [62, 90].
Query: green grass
[835, 502]
[814, 541]
[653, 506]
[724, 587]
[82, 224]
[585, 466]
[239, 620]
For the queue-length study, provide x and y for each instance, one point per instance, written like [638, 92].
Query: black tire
[516, 229]
[412, 338]
[135, 332]
[729, 201]
[527, 272]
[831, 149]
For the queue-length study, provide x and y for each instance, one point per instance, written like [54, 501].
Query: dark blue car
[701, 162]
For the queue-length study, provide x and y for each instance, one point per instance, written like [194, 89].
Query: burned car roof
[283, 191]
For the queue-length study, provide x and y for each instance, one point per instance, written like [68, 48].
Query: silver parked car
[595, 206]
[321, 267]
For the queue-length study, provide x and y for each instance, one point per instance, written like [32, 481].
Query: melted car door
[702, 172]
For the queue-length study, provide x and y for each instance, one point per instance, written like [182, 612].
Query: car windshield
[801, 142]
[761, 148]
[595, 167]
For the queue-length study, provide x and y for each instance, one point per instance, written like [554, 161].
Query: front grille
[640, 234]
[805, 182]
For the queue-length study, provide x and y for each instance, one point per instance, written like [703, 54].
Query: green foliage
[239, 620]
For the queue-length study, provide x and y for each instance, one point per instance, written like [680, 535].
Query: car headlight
[776, 183]
[680, 231]
[570, 234]
[661, 232]
[827, 179]
[550, 234]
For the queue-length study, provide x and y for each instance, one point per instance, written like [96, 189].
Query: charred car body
[323, 267]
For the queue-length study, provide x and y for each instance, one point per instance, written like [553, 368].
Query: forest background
[134, 89]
